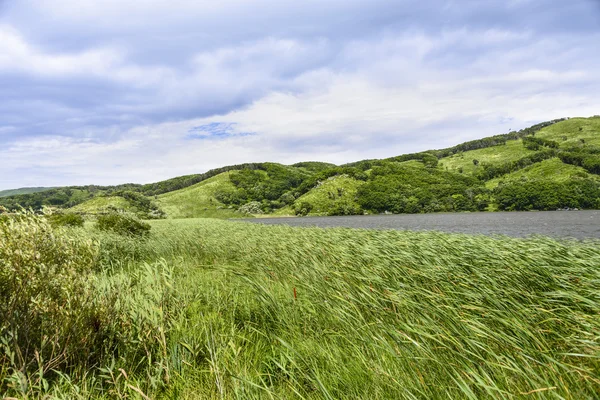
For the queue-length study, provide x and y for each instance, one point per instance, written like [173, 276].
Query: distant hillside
[13, 192]
[198, 200]
[555, 164]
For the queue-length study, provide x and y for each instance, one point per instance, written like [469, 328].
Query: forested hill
[27, 190]
[555, 164]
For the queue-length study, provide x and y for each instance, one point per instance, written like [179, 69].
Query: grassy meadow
[203, 308]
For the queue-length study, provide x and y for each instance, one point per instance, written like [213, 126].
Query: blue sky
[118, 91]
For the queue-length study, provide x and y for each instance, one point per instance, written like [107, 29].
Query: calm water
[575, 224]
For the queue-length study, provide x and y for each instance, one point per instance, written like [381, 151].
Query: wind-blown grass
[342, 313]
[252, 311]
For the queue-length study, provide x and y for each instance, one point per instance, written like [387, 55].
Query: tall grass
[215, 309]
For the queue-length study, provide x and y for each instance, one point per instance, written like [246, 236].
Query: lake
[574, 224]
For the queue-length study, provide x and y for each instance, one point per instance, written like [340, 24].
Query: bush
[62, 316]
[303, 208]
[254, 207]
[44, 312]
[72, 220]
[123, 224]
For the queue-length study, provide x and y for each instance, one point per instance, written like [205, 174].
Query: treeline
[495, 140]
[169, 185]
[380, 185]
[71, 196]
[544, 195]
[428, 157]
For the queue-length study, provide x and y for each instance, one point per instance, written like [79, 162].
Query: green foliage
[590, 160]
[207, 199]
[540, 195]
[65, 219]
[550, 170]
[534, 143]
[280, 188]
[123, 224]
[65, 316]
[491, 171]
[253, 207]
[411, 188]
[269, 182]
[335, 195]
[337, 313]
[45, 318]
[303, 208]
[313, 166]
[215, 309]
[572, 132]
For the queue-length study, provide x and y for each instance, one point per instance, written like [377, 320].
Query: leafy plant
[65, 219]
[123, 224]
[44, 313]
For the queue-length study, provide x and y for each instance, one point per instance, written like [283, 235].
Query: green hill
[336, 195]
[104, 204]
[463, 162]
[27, 190]
[199, 200]
[578, 132]
[550, 165]
[551, 170]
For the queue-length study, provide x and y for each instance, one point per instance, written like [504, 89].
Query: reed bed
[235, 310]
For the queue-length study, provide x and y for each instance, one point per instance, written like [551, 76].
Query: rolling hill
[550, 165]
[27, 190]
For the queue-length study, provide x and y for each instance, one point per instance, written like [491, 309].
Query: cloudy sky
[118, 91]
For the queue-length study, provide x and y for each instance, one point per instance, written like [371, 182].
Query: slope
[335, 196]
[551, 170]
[27, 190]
[199, 200]
[468, 162]
[559, 160]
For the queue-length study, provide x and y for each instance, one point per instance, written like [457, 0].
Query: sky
[117, 91]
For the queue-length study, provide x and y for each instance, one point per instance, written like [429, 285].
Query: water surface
[574, 224]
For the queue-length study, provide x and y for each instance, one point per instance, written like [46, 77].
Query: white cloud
[300, 75]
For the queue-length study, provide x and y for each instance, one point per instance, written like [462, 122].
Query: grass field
[215, 309]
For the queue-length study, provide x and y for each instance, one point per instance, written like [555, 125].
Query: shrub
[67, 219]
[61, 317]
[44, 313]
[254, 207]
[303, 208]
[123, 224]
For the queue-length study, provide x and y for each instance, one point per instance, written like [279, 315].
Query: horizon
[252, 162]
[129, 92]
